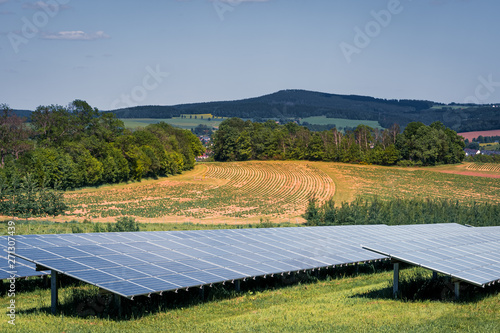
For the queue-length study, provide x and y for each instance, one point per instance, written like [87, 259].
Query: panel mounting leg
[457, 290]
[118, 304]
[202, 293]
[53, 292]
[395, 286]
[237, 285]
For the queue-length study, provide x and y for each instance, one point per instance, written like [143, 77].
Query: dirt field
[474, 135]
[246, 192]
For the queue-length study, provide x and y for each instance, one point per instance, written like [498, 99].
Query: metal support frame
[118, 303]
[237, 285]
[202, 293]
[457, 290]
[434, 275]
[53, 292]
[395, 286]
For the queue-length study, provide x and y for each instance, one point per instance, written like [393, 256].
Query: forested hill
[288, 104]
[302, 103]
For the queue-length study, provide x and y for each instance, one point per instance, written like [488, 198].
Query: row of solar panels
[138, 263]
[472, 255]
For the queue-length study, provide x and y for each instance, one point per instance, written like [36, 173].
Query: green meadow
[323, 120]
[184, 123]
[340, 300]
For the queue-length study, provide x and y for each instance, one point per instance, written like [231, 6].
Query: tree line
[418, 144]
[76, 146]
[402, 211]
[23, 197]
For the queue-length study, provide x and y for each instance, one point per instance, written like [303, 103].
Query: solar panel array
[141, 263]
[467, 254]
[15, 267]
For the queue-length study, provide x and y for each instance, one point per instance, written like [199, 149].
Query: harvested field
[245, 192]
[475, 135]
[213, 190]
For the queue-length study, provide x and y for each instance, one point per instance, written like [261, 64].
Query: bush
[125, 223]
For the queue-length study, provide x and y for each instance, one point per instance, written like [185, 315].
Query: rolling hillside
[295, 104]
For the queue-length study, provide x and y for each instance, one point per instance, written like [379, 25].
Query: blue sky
[125, 53]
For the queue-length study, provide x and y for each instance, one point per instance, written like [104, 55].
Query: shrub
[125, 223]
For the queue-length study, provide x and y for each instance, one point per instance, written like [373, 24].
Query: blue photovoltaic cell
[227, 274]
[66, 252]
[181, 280]
[125, 273]
[153, 283]
[247, 270]
[21, 268]
[149, 257]
[68, 264]
[128, 288]
[220, 261]
[36, 254]
[177, 267]
[204, 277]
[460, 252]
[179, 259]
[199, 264]
[124, 260]
[172, 255]
[97, 250]
[95, 262]
[122, 248]
[153, 270]
[94, 276]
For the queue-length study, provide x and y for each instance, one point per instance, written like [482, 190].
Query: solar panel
[14, 266]
[468, 254]
[136, 263]
[118, 262]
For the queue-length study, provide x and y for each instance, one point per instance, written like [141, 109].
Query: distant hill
[23, 113]
[294, 104]
[302, 104]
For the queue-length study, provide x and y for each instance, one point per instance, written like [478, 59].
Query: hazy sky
[163, 52]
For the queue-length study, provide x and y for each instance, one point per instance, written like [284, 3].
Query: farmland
[340, 123]
[184, 123]
[189, 121]
[212, 191]
[244, 192]
[475, 135]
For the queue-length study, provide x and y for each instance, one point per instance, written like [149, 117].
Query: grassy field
[323, 120]
[445, 182]
[185, 123]
[245, 192]
[340, 301]
[188, 123]
[490, 146]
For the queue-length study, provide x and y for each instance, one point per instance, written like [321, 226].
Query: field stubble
[245, 192]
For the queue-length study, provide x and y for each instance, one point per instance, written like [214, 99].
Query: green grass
[339, 301]
[184, 123]
[323, 120]
[27, 227]
[187, 123]
[490, 146]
